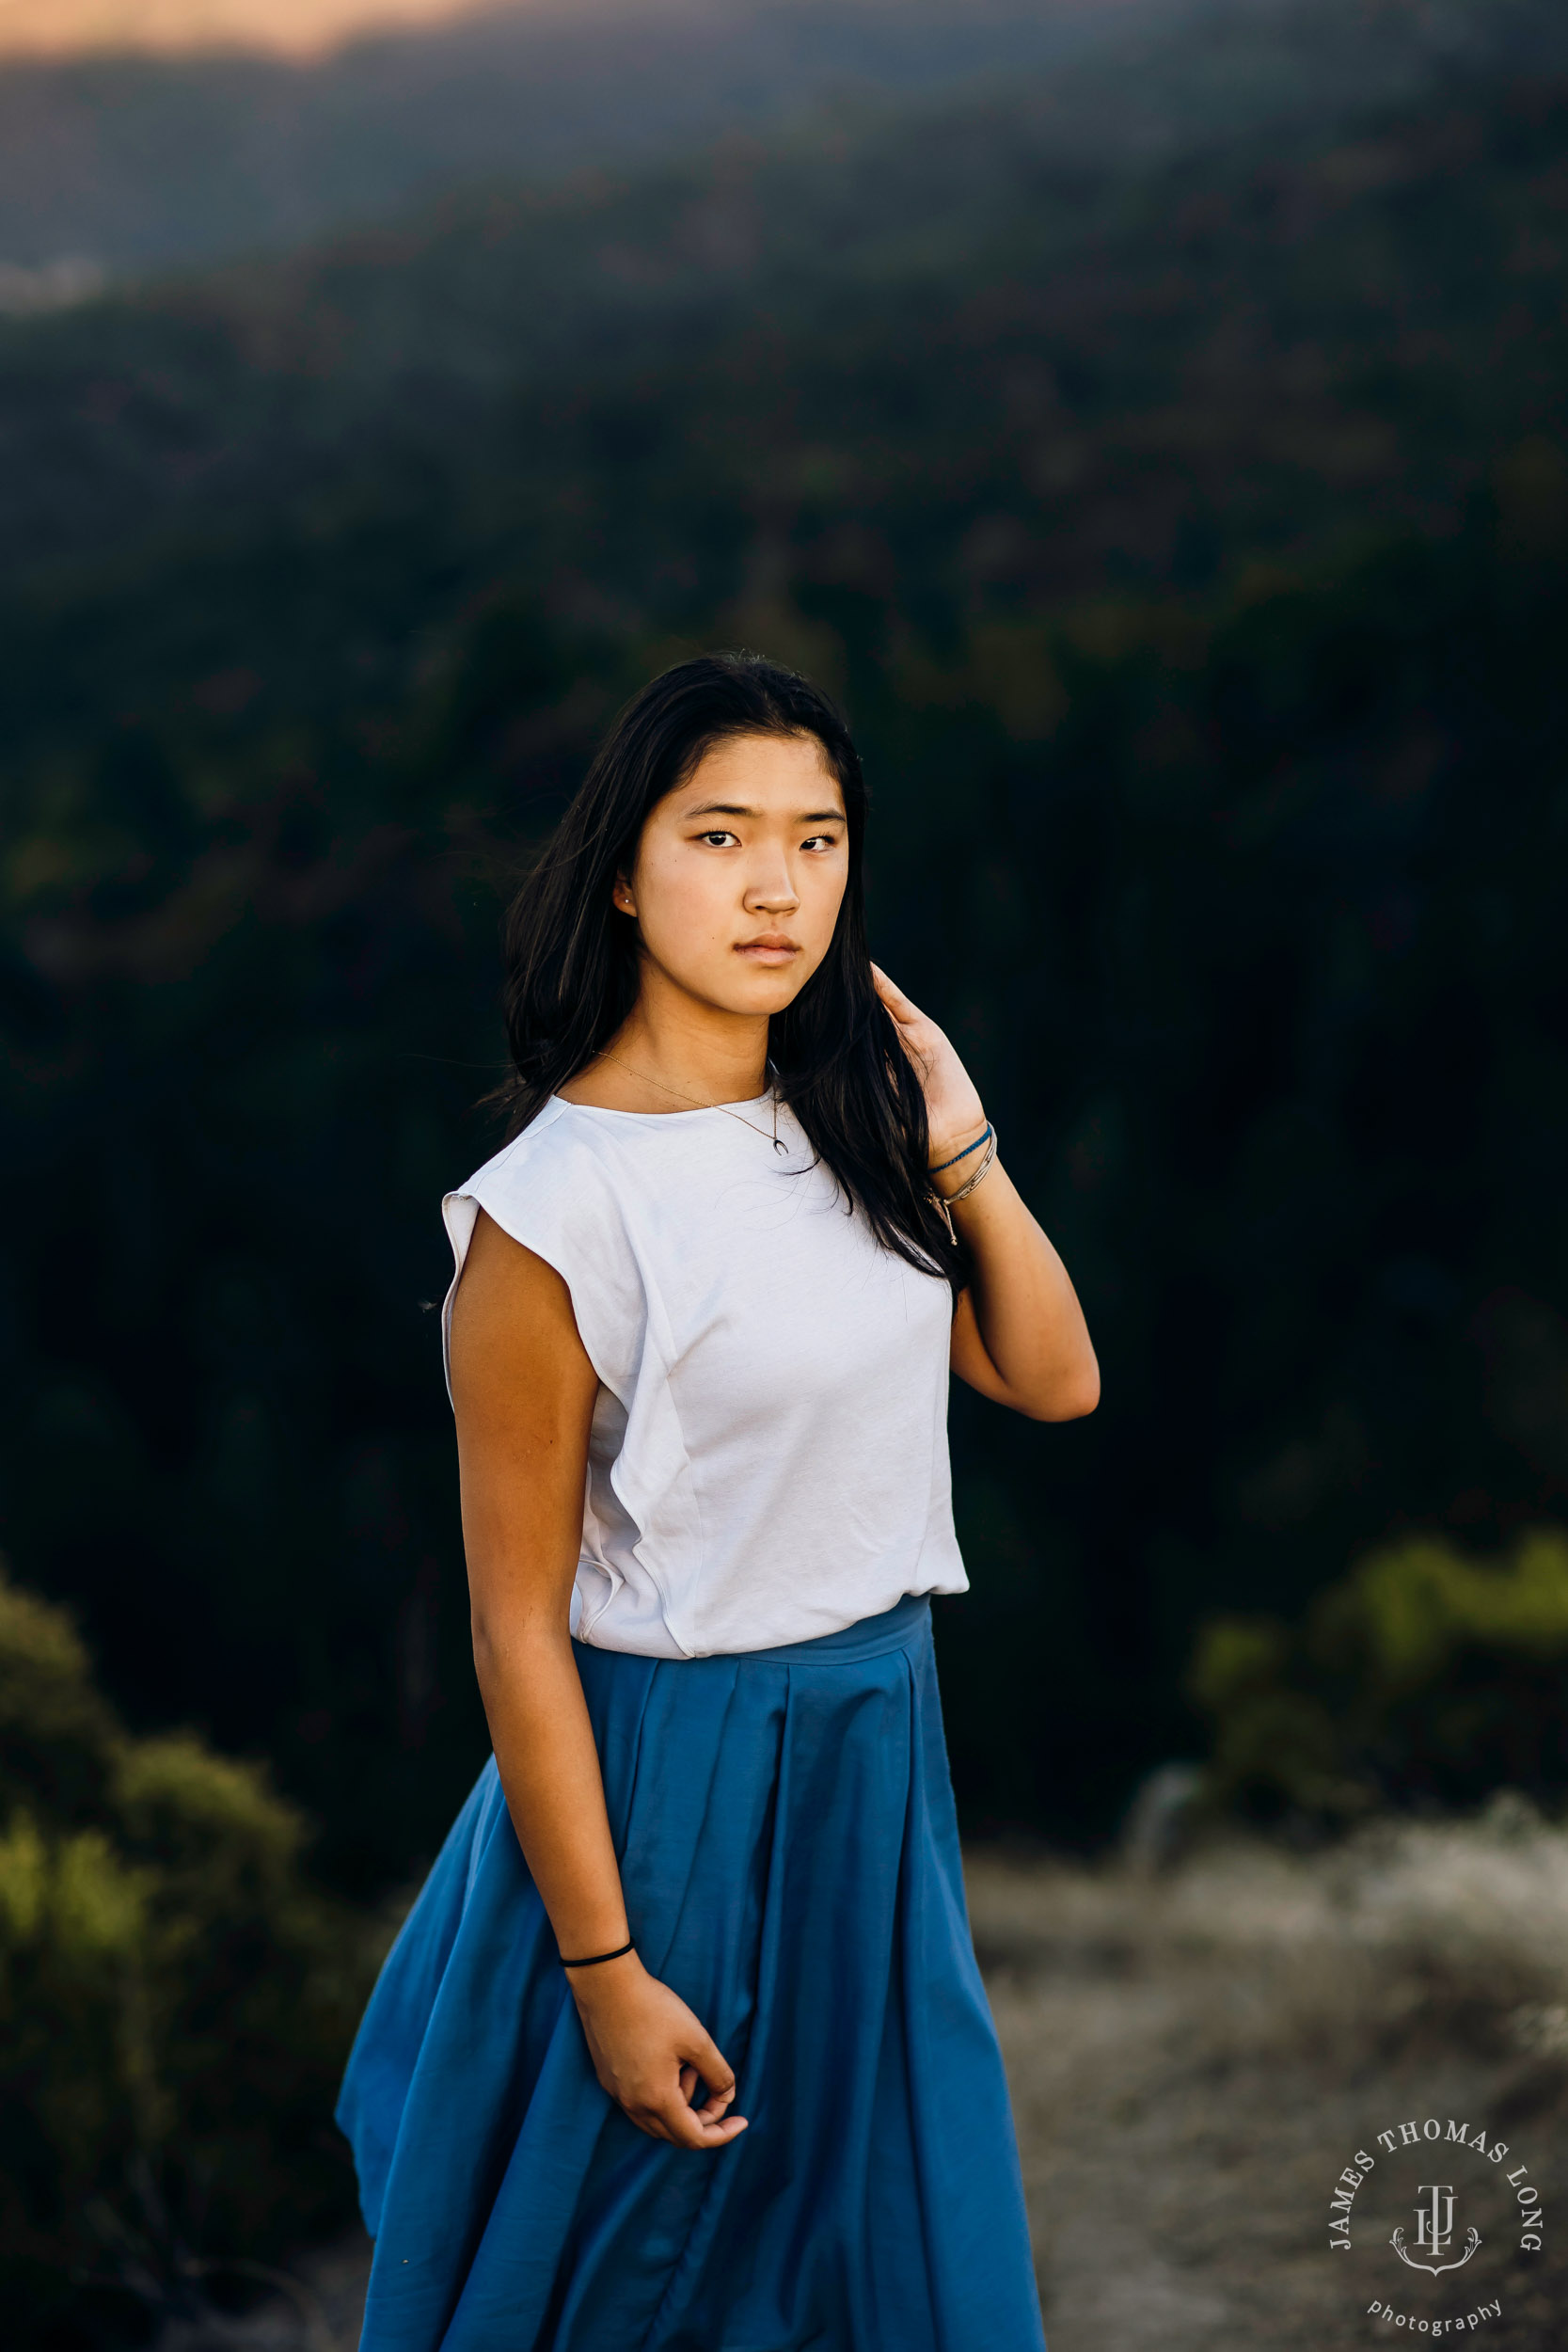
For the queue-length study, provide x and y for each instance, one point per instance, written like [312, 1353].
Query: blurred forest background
[1153, 422]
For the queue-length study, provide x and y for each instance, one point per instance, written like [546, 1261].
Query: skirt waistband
[896, 1627]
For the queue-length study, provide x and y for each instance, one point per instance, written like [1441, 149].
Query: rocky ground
[1198, 2052]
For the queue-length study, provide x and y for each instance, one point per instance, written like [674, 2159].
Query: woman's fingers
[701, 2051]
[653, 2056]
[687, 2127]
[716, 2102]
[701, 2064]
[892, 997]
[918, 1033]
[676, 2120]
[908, 1020]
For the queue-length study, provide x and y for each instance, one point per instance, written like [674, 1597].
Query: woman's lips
[773, 950]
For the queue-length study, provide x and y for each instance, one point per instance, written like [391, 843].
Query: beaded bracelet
[948, 1201]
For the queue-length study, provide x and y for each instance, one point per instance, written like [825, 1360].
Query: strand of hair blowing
[571, 963]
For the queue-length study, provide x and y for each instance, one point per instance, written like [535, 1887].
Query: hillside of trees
[138, 164]
[1185, 531]
[145, 162]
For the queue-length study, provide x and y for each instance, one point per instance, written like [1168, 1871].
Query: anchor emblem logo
[1434, 2231]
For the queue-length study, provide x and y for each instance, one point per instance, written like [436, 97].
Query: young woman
[683, 2047]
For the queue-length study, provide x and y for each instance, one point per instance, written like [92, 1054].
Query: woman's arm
[1019, 1335]
[523, 1390]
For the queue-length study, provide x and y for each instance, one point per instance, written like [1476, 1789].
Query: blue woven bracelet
[961, 1156]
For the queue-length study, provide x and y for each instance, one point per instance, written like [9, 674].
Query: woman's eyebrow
[732, 808]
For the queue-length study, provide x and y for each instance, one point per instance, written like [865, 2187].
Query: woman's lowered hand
[652, 2054]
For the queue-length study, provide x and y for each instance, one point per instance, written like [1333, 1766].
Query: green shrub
[57, 1737]
[1422, 1679]
[176, 1999]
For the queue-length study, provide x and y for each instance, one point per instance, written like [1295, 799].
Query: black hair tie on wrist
[597, 1960]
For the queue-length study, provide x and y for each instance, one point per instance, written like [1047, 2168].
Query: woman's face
[739, 873]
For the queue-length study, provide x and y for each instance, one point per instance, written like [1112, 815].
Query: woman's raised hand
[651, 2054]
[953, 1111]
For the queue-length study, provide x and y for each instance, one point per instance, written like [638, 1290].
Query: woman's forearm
[1020, 1334]
[549, 1770]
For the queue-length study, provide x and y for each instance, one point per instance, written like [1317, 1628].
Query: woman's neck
[672, 1056]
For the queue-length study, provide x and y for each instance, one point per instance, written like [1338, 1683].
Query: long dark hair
[571, 967]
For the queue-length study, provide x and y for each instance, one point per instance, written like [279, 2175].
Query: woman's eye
[715, 840]
[820, 841]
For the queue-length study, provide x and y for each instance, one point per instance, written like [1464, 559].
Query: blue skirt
[790, 1856]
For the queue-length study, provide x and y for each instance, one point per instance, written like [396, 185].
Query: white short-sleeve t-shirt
[768, 1454]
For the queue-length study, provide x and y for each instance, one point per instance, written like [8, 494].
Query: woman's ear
[622, 898]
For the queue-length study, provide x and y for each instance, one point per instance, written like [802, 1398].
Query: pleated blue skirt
[790, 1857]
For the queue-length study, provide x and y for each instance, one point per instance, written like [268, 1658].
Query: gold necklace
[642, 1079]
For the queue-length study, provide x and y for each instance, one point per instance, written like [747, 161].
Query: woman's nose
[772, 894]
